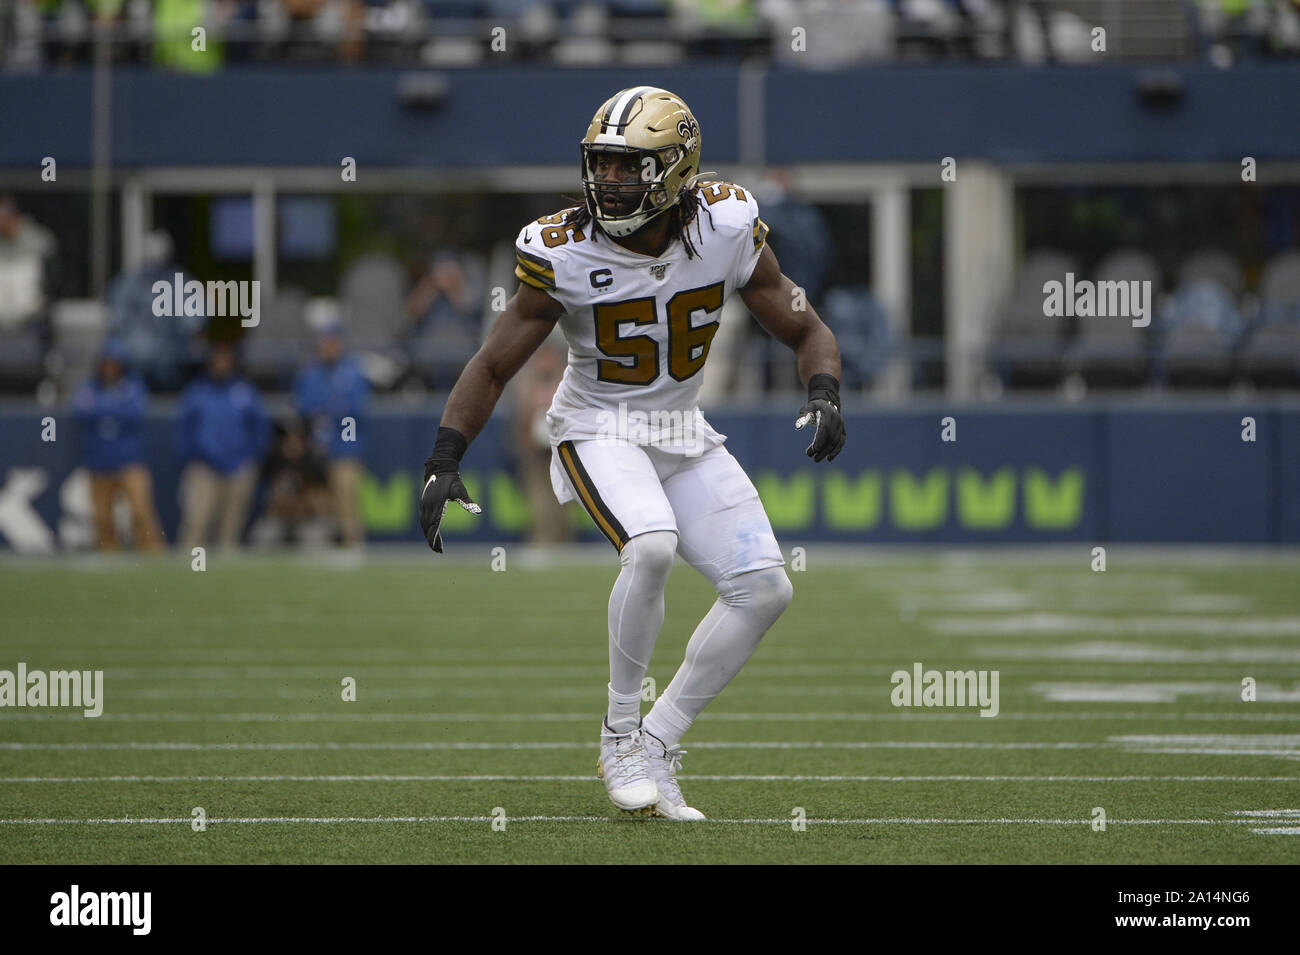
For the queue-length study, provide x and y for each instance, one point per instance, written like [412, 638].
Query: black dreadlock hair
[684, 212]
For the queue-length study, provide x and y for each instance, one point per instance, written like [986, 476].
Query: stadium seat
[1279, 289]
[842, 33]
[78, 326]
[512, 9]
[637, 8]
[1112, 351]
[1069, 37]
[1029, 36]
[584, 51]
[1199, 329]
[1270, 355]
[1214, 264]
[652, 53]
[373, 293]
[1203, 323]
[861, 328]
[455, 9]
[439, 352]
[449, 52]
[21, 357]
[1028, 346]
[452, 26]
[585, 40]
[276, 346]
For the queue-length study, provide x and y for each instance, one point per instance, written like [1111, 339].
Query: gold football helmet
[652, 129]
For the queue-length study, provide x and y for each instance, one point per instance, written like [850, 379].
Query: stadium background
[1127, 163]
[1172, 155]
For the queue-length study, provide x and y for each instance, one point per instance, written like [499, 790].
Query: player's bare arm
[770, 296]
[517, 333]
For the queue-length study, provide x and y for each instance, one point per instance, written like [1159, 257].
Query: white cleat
[664, 762]
[622, 766]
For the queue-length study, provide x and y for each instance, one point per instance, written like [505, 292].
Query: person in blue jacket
[331, 394]
[222, 432]
[110, 412]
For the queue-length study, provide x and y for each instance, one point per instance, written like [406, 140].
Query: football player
[637, 275]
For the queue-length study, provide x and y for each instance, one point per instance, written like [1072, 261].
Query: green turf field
[479, 690]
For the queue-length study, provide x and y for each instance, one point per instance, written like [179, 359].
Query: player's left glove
[442, 484]
[823, 407]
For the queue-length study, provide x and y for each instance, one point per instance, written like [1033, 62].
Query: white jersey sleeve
[751, 247]
[534, 261]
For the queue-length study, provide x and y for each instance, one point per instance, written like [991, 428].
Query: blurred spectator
[332, 24]
[835, 33]
[27, 256]
[331, 394]
[444, 309]
[163, 348]
[1235, 30]
[534, 387]
[445, 295]
[717, 13]
[298, 501]
[110, 410]
[65, 26]
[20, 35]
[174, 42]
[717, 22]
[27, 251]
[221, 435]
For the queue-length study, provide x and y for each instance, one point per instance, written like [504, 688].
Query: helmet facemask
[637, 202]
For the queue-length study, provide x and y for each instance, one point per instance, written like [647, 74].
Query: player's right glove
[824, 407]
[442, 484]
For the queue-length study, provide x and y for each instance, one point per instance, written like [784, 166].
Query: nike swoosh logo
[527, 239]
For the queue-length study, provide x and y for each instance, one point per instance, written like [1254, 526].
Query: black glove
[442, 484]
[823, 407]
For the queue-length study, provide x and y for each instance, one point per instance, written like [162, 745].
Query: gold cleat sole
[645, 812]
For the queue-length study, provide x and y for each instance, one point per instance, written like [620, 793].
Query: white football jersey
[639, 327]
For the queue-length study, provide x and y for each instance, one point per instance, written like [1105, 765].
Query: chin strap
[699, 177]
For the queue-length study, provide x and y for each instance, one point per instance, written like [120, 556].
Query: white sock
[636, 615]
[747, 606]
[624, 714]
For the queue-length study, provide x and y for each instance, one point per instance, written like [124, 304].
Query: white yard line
[328, 820]
[589, 744]
[1120, 652]
[1046, 623]
[1207, 745]
[318, 693]
[903, 715]
[691, 777]
[1156, 692]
